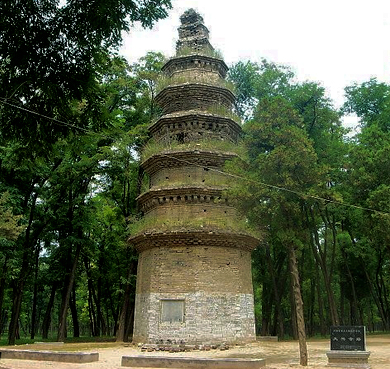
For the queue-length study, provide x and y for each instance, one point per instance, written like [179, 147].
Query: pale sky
[334, 42]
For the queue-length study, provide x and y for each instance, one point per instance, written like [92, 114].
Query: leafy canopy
[52, 60]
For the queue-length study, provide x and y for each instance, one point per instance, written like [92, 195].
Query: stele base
[348, 359]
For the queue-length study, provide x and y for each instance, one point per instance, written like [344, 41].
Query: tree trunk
[320, 308]
[35, 292]
[91, 312]
[279, 311]
[3, 282]
[66, 296]
[294, 328]
[266, 309]
[125, 314]
[73, 311]
[298, 306]
[47, 317]
[18, 287]
[354, 302]
[99, 321]
[321, 259]
[15, 312]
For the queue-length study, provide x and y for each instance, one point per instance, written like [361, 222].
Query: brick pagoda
[194, 282]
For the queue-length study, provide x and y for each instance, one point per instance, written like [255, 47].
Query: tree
[9, 223]
[368, 185]
[53, 61]
[282, 165]
[54, 55]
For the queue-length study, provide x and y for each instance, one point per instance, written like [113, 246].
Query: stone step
[60, 356]
[140, 361]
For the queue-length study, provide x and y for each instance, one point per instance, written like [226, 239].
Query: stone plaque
[172, 311]
[348, 338]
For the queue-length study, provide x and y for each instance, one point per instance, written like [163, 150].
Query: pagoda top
[193, 34]
[191, 16]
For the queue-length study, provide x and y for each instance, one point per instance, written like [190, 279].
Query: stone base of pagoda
[192, 291]
[207, 318]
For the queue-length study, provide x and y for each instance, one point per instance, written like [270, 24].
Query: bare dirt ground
[278, 355]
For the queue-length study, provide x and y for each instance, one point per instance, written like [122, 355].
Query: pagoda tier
[194, 281]
[194, 125]
[190, 96]
[195, 64]
[193, 34]
[193, 238]
[174, 197]
[198, 158]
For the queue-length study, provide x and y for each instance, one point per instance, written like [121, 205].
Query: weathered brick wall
[187, 175]
[186, 269]
[193, 96]
[210, 318]
[215, 284]
[199, 212]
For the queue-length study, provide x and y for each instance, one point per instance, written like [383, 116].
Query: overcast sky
[334, 42]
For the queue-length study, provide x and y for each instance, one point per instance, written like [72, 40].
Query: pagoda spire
[193, 34]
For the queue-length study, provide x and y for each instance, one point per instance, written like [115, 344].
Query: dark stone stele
[348, 338]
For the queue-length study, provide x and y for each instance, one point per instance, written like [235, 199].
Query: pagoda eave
[195, 61]
[195, 120]
[205, 237]
[183, 157]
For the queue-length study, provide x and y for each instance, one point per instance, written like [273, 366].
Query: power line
[300, 194]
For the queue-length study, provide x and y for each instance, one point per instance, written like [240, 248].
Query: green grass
[154, 148]
[222, 111]
[167, 225]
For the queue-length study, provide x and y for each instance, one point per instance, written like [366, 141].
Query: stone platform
[140, 361]
[348, 359]
[60, 356]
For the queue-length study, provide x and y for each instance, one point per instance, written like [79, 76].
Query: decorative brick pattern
[184, 127]
[181, 197]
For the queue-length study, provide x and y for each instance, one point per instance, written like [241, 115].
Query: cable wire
[300, 194]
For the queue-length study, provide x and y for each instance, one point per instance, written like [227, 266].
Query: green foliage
[370, 101]
[151, 225]
[153, 148]
[78, 195]
[9, 223]
[53, 58]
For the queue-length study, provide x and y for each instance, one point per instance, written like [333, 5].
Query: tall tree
[282, 163]
[52, 55]
[53, 59]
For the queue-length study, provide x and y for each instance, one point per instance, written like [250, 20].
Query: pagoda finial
[193, 34]
[191, 16]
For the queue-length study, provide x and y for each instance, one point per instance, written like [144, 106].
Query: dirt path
[278, 355]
